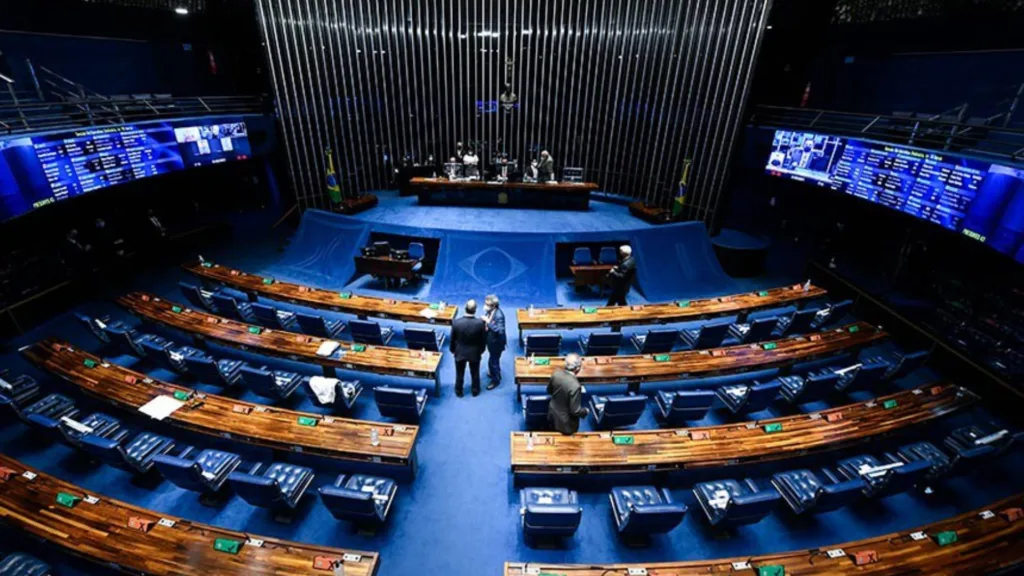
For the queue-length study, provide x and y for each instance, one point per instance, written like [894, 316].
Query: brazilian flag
[333, 188]
[684, 184]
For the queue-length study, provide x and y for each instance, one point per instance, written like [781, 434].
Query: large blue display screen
[42, 169]
[980, 200]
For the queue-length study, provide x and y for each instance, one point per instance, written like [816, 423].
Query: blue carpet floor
[460, 515]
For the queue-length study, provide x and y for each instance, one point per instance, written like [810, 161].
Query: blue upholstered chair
[601, 344]
[549, 512]
[345, 393]
[52, 406]
[424, 339]
[205, 369]
[815, 386]
[833, 313]
[402, 404]
[980, 442]
[17, 389]
[360, 499]
[941, 463]
[749, 398]
[906, 363]
[608, 255]
[270, 383]
[708, 335]
[581, 256]
[869, 373]
[168, 354]
[96, 424]
[543, 344]
[798, 322]
[131, 342]
[676, 408]
[277, 486]
[658, 341]
[21, 564]
[96, 326]
[535, 411]
[728, 503]
[645, 510]
[617, 411]
[418, 253]
[205, 474]
[804, 491]
[135, 456]
[884, 478]
[754, 331]
[230, 307]
[273, 318]
[201, 299]
[317, 325]
[365, 332]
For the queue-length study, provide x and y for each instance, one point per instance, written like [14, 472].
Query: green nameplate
[89, 363]
[775, 427]
[226, 545]
[359, 347]
[683, 303]
[944, 538]
[542, 361]
[590, 310]
[67, 500]
[181, 395]
[662, 357]
[207, 264]
[307, 421]
[890, 404]
[345, 295]
[853, 329]
[176, 309]
[762, 293]
[771, 570]
[268, 280]
[255, 329]
[770, 346]
[435, 306]
[622, 440]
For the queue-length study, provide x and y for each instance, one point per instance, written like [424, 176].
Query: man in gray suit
[546, 167]
[566, 406]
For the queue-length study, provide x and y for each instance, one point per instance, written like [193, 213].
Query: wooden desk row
[346, 302]
[700, 363]
[337, 439]
[678, 311]
[988, 541]
[732, 444]
[290, 345]
[102, 530]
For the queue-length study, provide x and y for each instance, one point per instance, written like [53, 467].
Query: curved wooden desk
[339, 439]
[362, 306]
[984, 544]
[290, 345]
[698, 363]
[678, 311]
[100, 532]
[732, 444]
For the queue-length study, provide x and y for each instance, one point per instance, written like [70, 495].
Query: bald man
[621, 276]
[469, 338]
[566, 406]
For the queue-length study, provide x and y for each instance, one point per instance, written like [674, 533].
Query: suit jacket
[566, 406]
[469, 337]
[496, 337]
[546, 169]
[621, 276]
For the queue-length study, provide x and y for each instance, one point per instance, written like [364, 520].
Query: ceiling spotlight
[182, 11]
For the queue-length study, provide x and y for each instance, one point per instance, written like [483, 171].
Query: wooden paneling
[363, 306]
[336, 438]
[679, 311]
[985, 544]
[733, 444]
[99, 532]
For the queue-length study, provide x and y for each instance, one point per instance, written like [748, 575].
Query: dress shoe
[458, 393]
[476, 392]
[493, 385]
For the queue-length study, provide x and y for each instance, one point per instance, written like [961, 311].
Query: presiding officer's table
[136, 540]
[555, 195]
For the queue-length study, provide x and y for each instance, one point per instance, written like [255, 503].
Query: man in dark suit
[566, 406]
[621, 276]
[496, 339]
[546, 167]
[469, 337]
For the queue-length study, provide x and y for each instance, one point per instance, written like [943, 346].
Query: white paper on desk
[428, 313]
[161, 407]
[324, 388]
[327, 348]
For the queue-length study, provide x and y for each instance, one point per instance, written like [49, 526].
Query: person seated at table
[472, 162]
[621, 276]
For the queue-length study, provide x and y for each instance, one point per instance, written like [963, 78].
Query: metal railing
[987, 137]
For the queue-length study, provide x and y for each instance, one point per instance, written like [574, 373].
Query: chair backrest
[398, 397]
[624, 405]
[18, 389]
[194, 295]
[90, 323]
[924, 450]
[608, 255]
[659, 341]
[762, 395]
[604, 344]
[106, 449]
[202, 368]
[543, 344]
[416, 251]
[908, 363]
[654, 519]
[819, 385]
[366, 332]
[347, 504]
[800, 321]
[261, 381]
[761, 329]
[155, 350]
[751, 508]
[226, 305]
[536, 405]
[265, 314]
[582, 256]
[181, 472]
[838, 311]
[256, 490]
[21, 564]
[869, 373]
[382, 248]
[421, 339]
[906, 477]
[839, 495]
[712, 334]
[312, 324]
[553, 516]
[693, 404]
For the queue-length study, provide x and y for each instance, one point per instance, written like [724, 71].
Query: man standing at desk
[496, 339]
[566, 406]
[546, 167]
[469, 338]
[621, 276]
